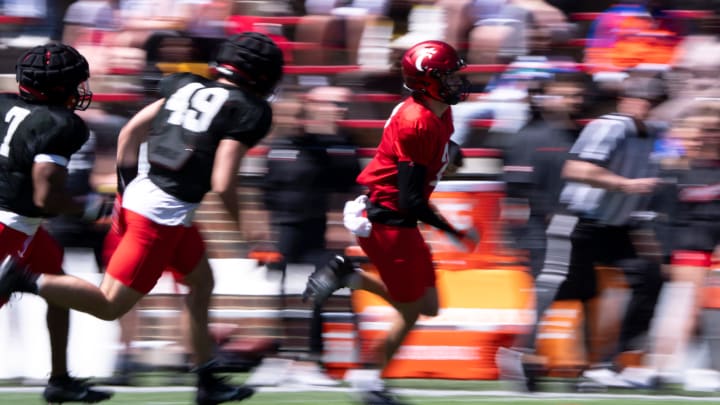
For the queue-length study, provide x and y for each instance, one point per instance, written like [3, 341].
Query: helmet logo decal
[422, 54]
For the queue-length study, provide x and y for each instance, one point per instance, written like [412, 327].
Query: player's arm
[411, 185]
[49, 170]
[132, 135]
[592, 174]
[592, 150]
[598, 176]
[49, 174]
[224, 175]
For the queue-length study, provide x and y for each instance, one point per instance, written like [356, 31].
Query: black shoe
[380, 398]
[15, 278]
[214, 390]
[68, 389]
[326, 280]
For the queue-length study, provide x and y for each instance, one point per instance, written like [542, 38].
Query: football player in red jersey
[410, 160]
[38, 135]
[197, 134]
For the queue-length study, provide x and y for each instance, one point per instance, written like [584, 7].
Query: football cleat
[214, 390]
[15, 278]
[67, 389]
[324, 281]
[381, 397]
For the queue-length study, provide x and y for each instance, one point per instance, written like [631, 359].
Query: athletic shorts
[40, 252]
[402, 259]
[113, 236]
[692, 258]
[146, 249]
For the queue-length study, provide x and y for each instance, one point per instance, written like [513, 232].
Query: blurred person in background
[45, 20]
[691, 213]
[39, 134]
[533, 162]
[197, 134]
[411, 158]
[304, 171]
[628, 33]
[609, 179]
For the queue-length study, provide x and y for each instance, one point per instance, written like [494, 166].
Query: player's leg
[407, 276]
[144, 252]
[44, 254]
[192, 268]
[129, 323]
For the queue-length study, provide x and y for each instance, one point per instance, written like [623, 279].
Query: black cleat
[15, 278]
[380, 398]
[67, 389]
[324, 281]
[214, 390]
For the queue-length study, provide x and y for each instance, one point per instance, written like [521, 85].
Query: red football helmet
[430, 67]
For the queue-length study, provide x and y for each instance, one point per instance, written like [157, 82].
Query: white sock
[367, 380]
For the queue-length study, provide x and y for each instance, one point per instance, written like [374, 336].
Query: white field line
[477, 395]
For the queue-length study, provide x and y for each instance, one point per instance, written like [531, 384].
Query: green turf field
[328, 398]
[420, 392]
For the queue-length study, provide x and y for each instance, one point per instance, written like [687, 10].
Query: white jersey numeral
[194, 106]
[13, 117]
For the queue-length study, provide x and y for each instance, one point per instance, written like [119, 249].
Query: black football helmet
[251, 59]
[54, 73]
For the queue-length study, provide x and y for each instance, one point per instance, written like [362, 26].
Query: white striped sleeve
[599, 139]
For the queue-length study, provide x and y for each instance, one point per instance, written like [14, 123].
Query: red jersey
[413, 133]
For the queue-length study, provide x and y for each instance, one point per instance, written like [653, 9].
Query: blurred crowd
[549, 80]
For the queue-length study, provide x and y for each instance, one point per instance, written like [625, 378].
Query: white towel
[353, 217]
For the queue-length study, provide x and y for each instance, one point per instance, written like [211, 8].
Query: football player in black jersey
[197, 134]
[37, 136]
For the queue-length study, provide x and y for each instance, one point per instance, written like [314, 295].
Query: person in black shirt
[610, 176]
[304, 172]
[534, 161]
[689, 204]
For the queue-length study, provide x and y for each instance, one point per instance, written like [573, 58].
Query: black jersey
[699, 193]
[533, 165]
[197, 114]
[692, 205]
[303, 171]
[27, 131]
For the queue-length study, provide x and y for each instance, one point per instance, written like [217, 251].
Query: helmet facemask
[453, 88]
[82, 97]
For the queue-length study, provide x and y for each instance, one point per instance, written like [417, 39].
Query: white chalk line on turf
[459, 395]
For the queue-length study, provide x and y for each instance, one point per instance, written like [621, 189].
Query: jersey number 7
[13, 117]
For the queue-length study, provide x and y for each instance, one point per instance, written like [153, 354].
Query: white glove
[353, 217]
